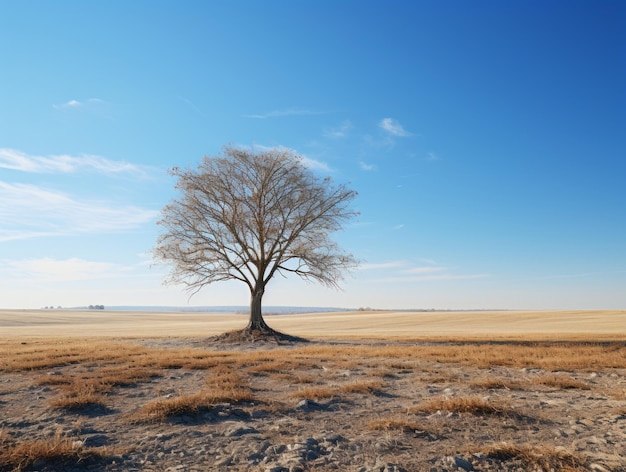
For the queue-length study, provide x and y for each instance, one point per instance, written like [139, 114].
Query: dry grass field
[376, 391]
[487, 325]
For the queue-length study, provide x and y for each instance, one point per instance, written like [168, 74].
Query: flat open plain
[505, 391]
[608, 324]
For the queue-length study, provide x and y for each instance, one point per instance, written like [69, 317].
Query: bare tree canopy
[247, 216]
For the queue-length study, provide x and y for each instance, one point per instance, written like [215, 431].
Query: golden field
[606, 324]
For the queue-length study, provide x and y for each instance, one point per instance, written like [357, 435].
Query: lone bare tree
[247, 216]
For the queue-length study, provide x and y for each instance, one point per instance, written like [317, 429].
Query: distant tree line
[96, 307]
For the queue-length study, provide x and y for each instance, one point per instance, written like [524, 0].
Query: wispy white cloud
[28, 211]
[393, 127]
[433, 157]
[400, 226]
[62, 270]
[75, 104]
[70, 104]
[392, 130]
[192, 105]
[65, 164]
[366, 167]
[430, 262]
[424, 270]
[315, 164]
[404, 271]
[340, 131]
[383, 265]
[286, 112]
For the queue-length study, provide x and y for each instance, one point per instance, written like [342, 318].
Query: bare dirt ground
[494, 391]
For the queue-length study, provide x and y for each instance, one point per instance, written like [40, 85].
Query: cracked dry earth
[318, 406]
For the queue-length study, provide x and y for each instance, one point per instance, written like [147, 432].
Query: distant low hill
[268, 310]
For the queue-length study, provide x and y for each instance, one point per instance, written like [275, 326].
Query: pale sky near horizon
[486, 139]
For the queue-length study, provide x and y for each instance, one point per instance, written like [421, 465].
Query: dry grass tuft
[272, 366]
[184, 404]
[302, 379]
[316, 393]
[537, 457]
[87, 389]
[228, 385]
[384, 373]
[57, 450]
[125, 376]
[79, 398]
[370, 386]
[292, 378]
[224, 385]
[192, 404]
[562, 382]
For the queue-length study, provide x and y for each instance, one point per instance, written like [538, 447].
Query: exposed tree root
[258, 336]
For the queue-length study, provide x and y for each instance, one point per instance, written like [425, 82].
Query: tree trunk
[257, 323]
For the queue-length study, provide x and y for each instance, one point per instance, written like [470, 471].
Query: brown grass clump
[370, 386]
[292, 378]
[125, 376]
[269, 367]
[87, 389]
[316, 393]
[302, 379]
[192, 404]
[383, 373]
[54, 380]
[560, 381]
[226, 384]
[58, 450]
[223, 386]
[537, 457]
[185, 404]
[79, 398]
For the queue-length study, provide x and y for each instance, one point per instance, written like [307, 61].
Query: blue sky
[486, 140]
